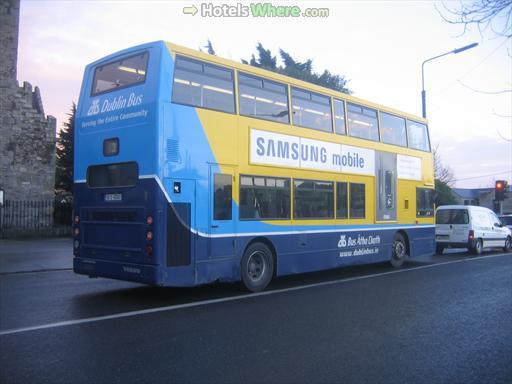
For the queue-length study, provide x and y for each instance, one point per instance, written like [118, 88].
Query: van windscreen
[452, 216]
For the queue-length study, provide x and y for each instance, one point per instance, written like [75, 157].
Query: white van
[467, 226]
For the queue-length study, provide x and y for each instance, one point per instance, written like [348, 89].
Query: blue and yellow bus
[191, 169]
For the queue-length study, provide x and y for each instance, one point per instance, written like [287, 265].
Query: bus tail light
[149, 236]
[149, 220]
[76, 246]
[76, 231]
[471, 235]
[149, 250]
[77, 219]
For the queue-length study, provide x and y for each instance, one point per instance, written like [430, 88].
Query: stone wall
[9, 21]
[27, 145]
[27, 136]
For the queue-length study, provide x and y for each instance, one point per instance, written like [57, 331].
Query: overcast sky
[378, 45]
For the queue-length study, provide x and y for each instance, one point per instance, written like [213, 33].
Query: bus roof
[286, 79]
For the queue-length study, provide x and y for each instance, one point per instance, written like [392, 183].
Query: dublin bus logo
[94, 109]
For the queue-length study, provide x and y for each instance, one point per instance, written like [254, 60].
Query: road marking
[233, 298]
[35, 271]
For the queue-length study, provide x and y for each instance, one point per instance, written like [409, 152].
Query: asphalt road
[443, 320]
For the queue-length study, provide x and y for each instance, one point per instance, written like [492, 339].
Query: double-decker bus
[191, 169]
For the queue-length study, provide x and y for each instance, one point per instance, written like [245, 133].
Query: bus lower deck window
[113, 175]
[341, 201]
[264, 198]
[357, 201]
[313, 199]
[424, 202]
[222, 196]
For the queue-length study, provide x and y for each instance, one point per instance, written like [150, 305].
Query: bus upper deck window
[362, 122]
[393, 129]
[311, 110]
[120, 73]
[417, 135]
[204, 85]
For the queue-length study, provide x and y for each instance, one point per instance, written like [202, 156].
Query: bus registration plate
[113, 197]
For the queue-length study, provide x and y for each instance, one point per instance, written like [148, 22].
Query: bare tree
[442, 172]
[495, 15]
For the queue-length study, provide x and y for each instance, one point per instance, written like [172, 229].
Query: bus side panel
[307, 252]
[318, 251]
[423, 241]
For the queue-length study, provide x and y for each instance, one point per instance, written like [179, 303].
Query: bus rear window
[120, 73]
[452, 216]
[113, 175]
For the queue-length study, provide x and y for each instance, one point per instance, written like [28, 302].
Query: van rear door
[452, 225]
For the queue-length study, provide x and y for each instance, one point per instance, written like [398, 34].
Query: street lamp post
[423, 93]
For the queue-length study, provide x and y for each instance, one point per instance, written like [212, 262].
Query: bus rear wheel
[257, 267]
[398, 250]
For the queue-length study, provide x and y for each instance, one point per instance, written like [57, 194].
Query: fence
[35, 218]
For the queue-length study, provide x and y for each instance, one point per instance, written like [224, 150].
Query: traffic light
[499, 190]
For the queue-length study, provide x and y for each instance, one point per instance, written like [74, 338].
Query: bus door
[180, 219]
[222, 225]
[385, 168]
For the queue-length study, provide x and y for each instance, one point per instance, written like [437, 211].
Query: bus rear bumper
[139, 273]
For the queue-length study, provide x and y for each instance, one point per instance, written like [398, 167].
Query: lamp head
[465, 48]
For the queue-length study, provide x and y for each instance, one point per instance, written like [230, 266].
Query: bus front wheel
[398, 251]
[257, 267]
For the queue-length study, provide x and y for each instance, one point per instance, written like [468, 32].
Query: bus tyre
[508, 244]
[477, 249]
[257, 267]
[439, 249]
[398, 251]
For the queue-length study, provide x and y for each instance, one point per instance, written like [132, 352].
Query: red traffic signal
[499, 190]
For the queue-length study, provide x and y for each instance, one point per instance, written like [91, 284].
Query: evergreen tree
[65, 153]
[265, 59]
[209, 48]
[296, 69]
[443, 195]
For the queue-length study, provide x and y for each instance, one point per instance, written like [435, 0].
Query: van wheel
[398, 251]
[257, 267]
[477, 249]
[508, 244]
[439, 249]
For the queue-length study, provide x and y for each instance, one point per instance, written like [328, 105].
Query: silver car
[506, 220]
